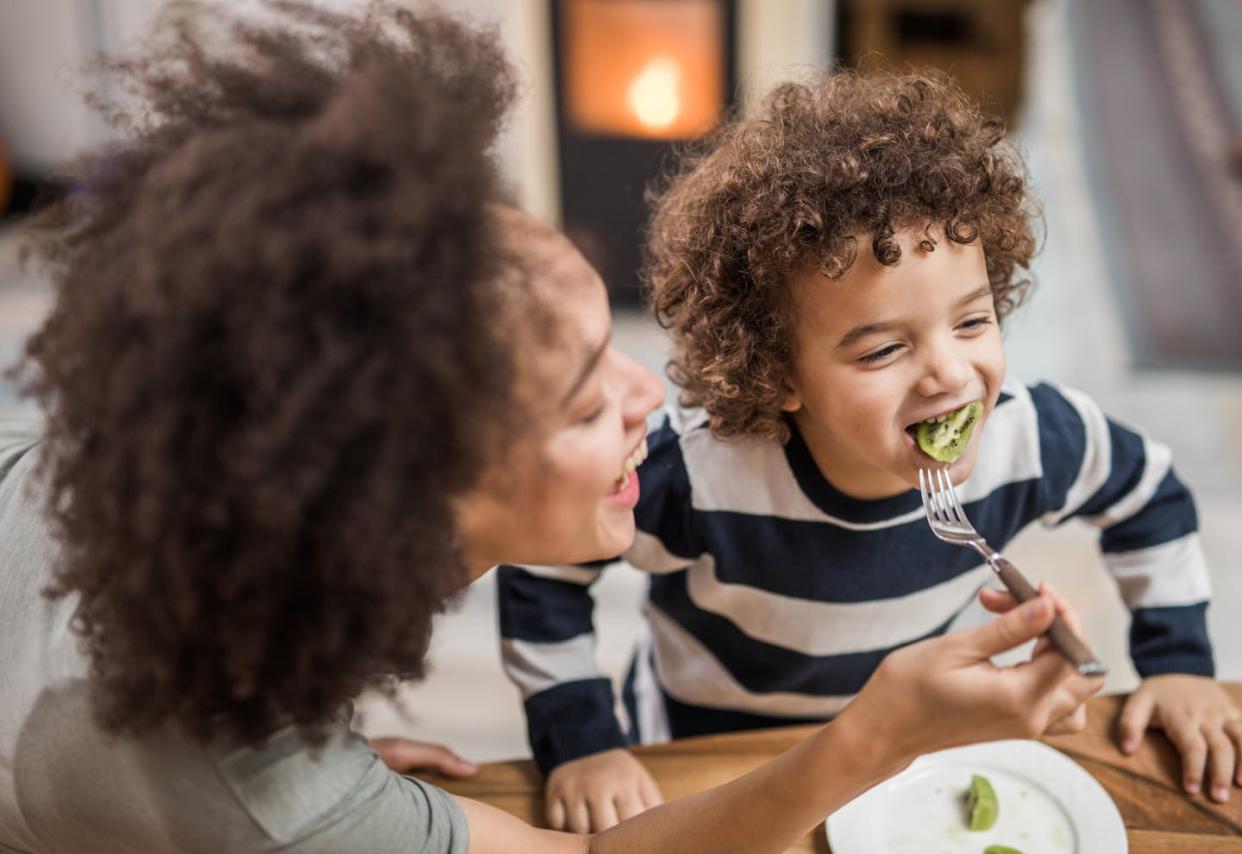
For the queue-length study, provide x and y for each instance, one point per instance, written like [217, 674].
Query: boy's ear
[792, 401]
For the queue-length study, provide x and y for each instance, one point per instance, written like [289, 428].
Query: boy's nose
[945, 371]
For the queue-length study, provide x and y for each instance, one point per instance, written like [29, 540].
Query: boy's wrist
[555, 749]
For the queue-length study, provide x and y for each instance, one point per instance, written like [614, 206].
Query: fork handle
[1063, 637]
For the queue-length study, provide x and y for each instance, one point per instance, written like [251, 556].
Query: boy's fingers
[1191, 745]
[578, 816]
[1221, 759]
[554, 811]
[1135, 716]
[651, 795]
[1234, 730]
[628, 803]
[603, 812]
[1009, 630]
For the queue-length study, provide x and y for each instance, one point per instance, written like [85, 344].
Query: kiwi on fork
[945, 438]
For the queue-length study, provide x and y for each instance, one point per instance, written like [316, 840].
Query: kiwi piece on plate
[981, 806]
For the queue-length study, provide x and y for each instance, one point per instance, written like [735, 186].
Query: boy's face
[884, 348]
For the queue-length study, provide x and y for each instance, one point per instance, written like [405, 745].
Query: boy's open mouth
[946, 436]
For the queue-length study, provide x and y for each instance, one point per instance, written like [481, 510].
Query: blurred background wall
[1129, 113]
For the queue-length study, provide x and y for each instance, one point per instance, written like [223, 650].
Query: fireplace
[633, 80]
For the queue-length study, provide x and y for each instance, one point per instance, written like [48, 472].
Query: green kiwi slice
[1000, 849]
[981, 804]
[945, 440]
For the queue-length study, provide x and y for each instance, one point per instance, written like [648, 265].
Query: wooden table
[1159, 817]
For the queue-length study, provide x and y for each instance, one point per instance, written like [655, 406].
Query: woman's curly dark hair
[822, 164]
[273, 361]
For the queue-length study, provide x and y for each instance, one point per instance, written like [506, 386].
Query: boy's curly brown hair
[821, 166]
[273, 361]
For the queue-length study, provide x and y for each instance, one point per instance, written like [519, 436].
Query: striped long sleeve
[1122, 482]
[547, 630]
[548, 651]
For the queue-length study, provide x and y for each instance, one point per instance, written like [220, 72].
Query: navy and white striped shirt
[773, 596]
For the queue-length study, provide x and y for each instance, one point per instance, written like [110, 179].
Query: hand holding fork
[948, 522]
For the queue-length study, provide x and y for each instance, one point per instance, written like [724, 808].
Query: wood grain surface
[1159, 817]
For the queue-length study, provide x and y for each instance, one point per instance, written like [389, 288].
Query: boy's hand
[1199, 718]
[595, 792]
[405, 756]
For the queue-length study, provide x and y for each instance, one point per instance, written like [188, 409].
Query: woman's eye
[879, 355]
[593, 416]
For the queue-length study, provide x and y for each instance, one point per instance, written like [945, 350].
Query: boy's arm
[1124, 485]
[592, 782]
[1122, 482]
[548, 650]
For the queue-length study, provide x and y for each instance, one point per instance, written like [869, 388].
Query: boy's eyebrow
[978, 293]
[586, 369]
[860, 332]
[863, 330]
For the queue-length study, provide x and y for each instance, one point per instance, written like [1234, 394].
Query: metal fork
[948, 522]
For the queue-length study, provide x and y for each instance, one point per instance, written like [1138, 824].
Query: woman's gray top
[66, 786]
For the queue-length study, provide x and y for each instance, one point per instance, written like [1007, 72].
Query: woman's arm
[928, 696]
[765, 810]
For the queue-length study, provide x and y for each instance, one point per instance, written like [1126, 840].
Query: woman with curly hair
[304, 378]
[834, 272]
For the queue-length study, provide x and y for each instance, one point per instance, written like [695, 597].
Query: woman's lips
[631, 463]
[624, 494]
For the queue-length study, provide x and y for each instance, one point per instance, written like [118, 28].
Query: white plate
[1048, 805]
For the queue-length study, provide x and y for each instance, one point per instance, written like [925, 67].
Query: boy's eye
[879, 355]
[977, 323]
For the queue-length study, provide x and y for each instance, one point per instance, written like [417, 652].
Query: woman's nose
[945, 370]
[645, 392]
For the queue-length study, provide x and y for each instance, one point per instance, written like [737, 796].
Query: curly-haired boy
[834, 273]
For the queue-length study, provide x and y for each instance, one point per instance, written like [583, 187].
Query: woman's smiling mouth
[633, 461]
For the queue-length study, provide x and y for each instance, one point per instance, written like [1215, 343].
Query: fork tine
[931, 504]
[942, 495]
[942, 501]
[944, 490]
[958, 510]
